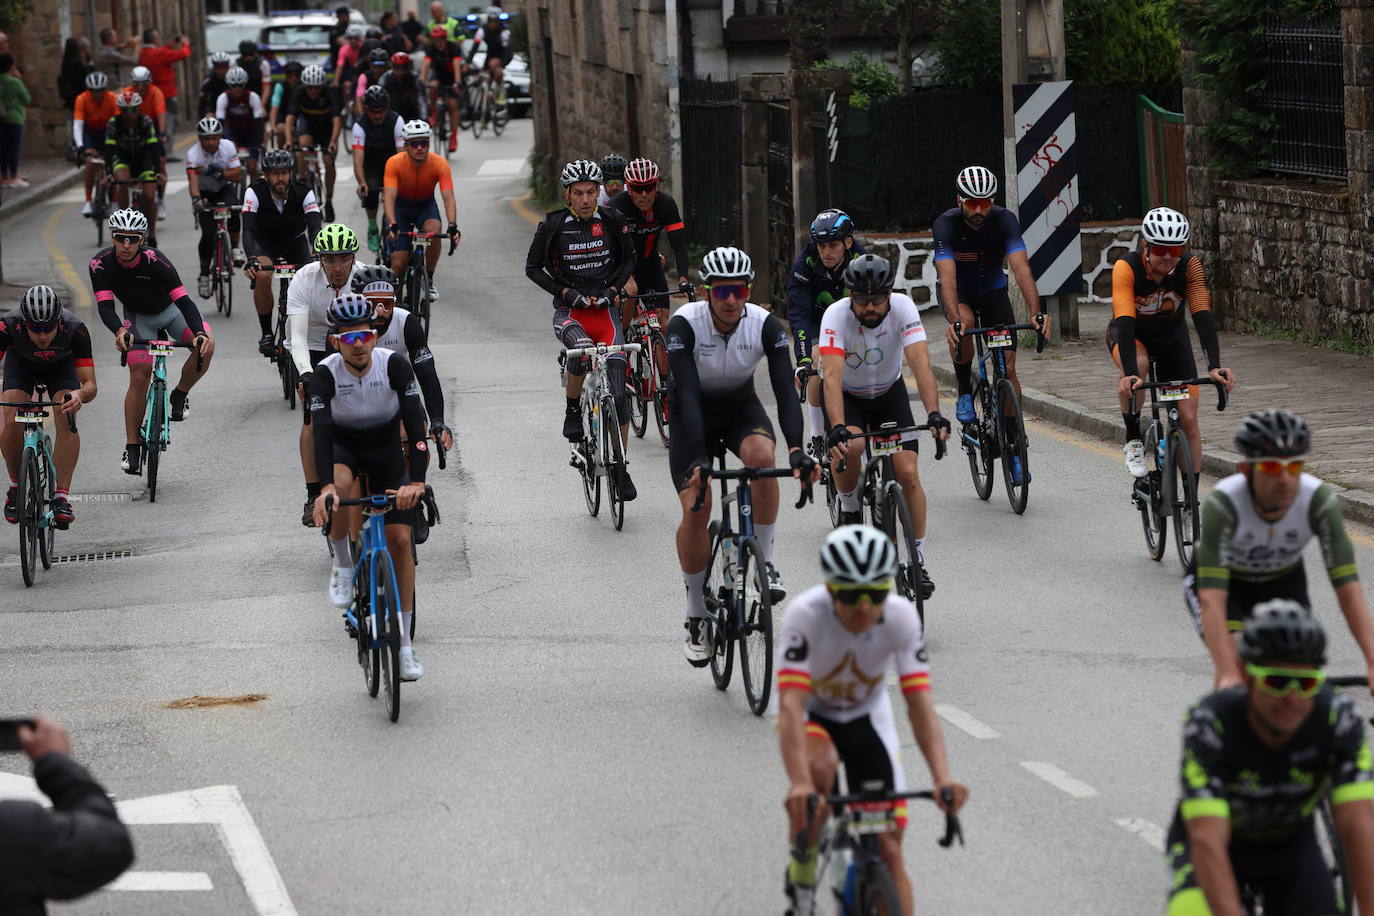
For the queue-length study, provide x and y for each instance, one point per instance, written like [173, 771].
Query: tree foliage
[12, 11]
[873, 79]
[899, 21]
[808, 31]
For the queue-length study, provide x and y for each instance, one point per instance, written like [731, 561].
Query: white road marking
[965, 722]
[1153, 834]
[1059, 779]
[161, 881]
[496, 167]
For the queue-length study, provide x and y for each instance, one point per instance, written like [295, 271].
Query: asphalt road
[559, 756]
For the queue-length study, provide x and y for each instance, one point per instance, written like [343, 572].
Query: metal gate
[711, 161]
[781, 232]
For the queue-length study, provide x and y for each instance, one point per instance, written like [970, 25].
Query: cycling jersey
[133, 145]
[842, 671]
[308, 298]
[403, 334]
[240, 115]
[90, 117]
[493, 41]
[385, 138]
[226, 156]
[280, 102]
[210, 91]
[441, 61]
[367, 78]
[811, 289]
[872, 356]
[407, 95]
[1153, 312]
[72, 341]
[259, 73]
[272, 227]
[361, 412]
[647, 225]
[154, 102]
[583, 255]
[977, 254]
[317, 110]
[415, 183]
[149, 287]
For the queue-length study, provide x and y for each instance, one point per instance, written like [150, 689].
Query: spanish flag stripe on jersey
[792, 679]
[913, 682]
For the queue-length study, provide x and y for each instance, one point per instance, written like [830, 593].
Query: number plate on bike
[874, 817]
[161, 347]
[998, 339]
[31, 414]
[885, 445]
[284, 273]
[1179, 393]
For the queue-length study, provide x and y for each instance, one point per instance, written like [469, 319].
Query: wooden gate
[1163, 162]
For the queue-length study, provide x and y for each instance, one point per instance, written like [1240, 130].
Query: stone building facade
[1292, 252]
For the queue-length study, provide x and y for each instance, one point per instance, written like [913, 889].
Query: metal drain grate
[93, 556]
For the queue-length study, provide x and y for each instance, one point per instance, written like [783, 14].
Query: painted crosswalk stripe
[161, 881]
[1059, 779]
[493, 168]
[1151, 833]
[965, 722]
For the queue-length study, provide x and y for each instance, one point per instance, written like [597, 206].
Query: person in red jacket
[160, 59]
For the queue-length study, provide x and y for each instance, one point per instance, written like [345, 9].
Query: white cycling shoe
[340, 587]
[1135, 458]
[411, 669]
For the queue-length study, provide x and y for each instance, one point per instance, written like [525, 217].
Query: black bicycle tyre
[980, 452]
[152, 447]
[615, 452]
[871, 495]
[500, 117]
[832, 495]
[389, 652]
[479, 114]
[1149, 497]
[660, 388]
[591, 482]
[1017, 494]
[876, 893]
[1186, 512]
[47, 534]
[99, 213]
[293, 379]
[1334, 854]
[29, 502]
[228, 281]
[756, 636]
[903, 534]
[719, 601]
[639, 409]
[368, 654]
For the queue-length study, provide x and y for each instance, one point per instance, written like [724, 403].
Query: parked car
[224, 31]
[304, 37]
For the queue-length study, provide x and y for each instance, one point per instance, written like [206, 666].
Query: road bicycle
[283, 273]
[600, 452]
[154, 435]
[314, 171]
[815, 447]
[442, 127]
[1169, 490]
[100, 201]
[859, 878]
[222, 261]
[485, 111]
[414, 280]
[987, 437]
[374, 618]
[37, 485]
[739, 604]
[648, 376]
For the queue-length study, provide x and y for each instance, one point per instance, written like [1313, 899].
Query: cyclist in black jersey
[155, 303]
[377, 137]
[493, 38]
[314, 119]
[41, 343]
[134, 154]
[259, 70]
[214, 84]
[280, 220]
[280, 101]
[650, 214]
[1257, 760]
[439, 74]
[407, 95]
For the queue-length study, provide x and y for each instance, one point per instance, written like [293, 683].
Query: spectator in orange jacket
[159, 59]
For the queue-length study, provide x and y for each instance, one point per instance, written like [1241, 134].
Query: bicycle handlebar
[953, 830]
[604, 348]
[940, 445]
[200, 355]
[379, 501]
[71, 418]
[1179, 383]
[251, 267]
[747, 473]
[1040, 339]
[652, 294]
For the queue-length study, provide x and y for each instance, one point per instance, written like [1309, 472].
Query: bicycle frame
[157, 391]
[595, 388]
[1162, 393]
[374, 509]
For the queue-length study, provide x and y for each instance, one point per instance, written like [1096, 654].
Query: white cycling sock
[849, 502]
[764, 535]
[921, 550]
[406, 617]
[816, 416]
[696, 593]
[343, 556]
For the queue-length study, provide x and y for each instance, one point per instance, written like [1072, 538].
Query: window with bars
[1305, 95]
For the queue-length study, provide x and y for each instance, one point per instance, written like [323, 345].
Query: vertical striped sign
[1047, 184]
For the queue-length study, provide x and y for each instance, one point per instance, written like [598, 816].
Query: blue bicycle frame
[373, 544]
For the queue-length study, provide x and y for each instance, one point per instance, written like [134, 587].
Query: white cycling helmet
[858, 555]
[726, 263]
[209, 126]
[976, 181]
[129, 220]
[97, 80]
[580, 170]
[40, 305]
[354, 31]
[313, 75]
[1163, 226]
[220, 59]
[237, 76]
[140, 75]
[417, 130]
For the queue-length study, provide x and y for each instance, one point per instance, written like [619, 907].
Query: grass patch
[1341, 342]
[542, 194]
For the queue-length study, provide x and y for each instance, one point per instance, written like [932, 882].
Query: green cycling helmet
[336, 238]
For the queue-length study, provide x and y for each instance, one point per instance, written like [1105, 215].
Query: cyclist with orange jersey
[1151, 289]
[408, 195]
[95, 108]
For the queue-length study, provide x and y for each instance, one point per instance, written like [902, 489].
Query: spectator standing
[71, 81]
[438, 16]
[108, 56]
[74, 848]
[14, 108]
[393, 35]
[160, 60]
[411, 28]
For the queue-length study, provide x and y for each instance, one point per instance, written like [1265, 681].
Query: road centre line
[965, 722]
[1151, 833]
[161, 881]
[1059, 779]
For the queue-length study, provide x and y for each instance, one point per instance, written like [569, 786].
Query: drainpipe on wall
[674, 115]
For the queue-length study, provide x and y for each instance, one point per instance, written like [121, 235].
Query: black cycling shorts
[23, 374]
[1289, 875]
[374, 172]
[991, 309]
[1172, 351]
[383, 463]
[142, 165]
[1243, 595]
[293, 251]
[870, 413]
[728, 420]
[319, 133]
[649, 276]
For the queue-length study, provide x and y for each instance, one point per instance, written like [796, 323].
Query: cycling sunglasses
[978, 204]
[641, 188]
[43, 328]
[1277, 466]
[418, 144]
[129, 238]
[853, 594]
[868, 298]
[1166, 251]
[353, 338]
[726, 290]
[1280, 682]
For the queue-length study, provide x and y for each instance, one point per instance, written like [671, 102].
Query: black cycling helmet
[831, 226]
[379, 57]
[613, 167]
[1273, 434]
[868, 274]
[275, 160]
[1282, 630]
[371, 274]
[376, 97]
[293, 66]
[248, 47]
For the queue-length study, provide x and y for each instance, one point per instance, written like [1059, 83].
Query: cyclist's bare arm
[1207, 841]
[1355, 826]
[918, 358]
[389, 204]
[925, 725]
[832, 367]
[450, 205]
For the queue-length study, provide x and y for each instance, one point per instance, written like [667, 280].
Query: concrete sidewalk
[1073, 383]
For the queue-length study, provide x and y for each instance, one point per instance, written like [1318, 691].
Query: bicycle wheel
[973, 438]
[30, 501]
[720, 596]
[639, 383]
[47, 533]
[152, 446]
[832, 494]
[756, 636]
[479, 113]
[871, 494]
[614, 450]
[1012, 432]
[898, 526]
[293, 378]
[228, 283]
[387, 603]
[99, 213]
[500, 116]
[590, 450]
[369, 655]
[877, 892]
[1183, 488]
[659, 348]
[1334, 854]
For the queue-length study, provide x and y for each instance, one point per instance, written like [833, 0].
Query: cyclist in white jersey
[360, 397]
[837, 643]
[863, 339]
[713, 349]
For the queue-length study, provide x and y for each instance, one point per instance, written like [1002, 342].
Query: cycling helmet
[313, 75]
[293, 66]
[128, 220]
[1163, 226]
[868, 274]
[613, 167]
[374, 278]
[40, 306]
[237, 76]
[220, 59]
[1273, 434]
[1282, 630]
[400, 59]
[275, 160]
[831, 226]
[248, 47]
[726, 263]
[976, 181]
[336, 238]
[350, 308]
[129, 99]
[376, 97]
[641, 171]
[140, 75]
[417, 130]
[439, 31]
[495, 12]
[354, 31]
[373, 32]
[378, 57]
[97, 80]
[580, 170]
[209, 126]
[858, 555]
